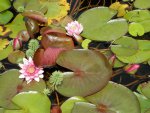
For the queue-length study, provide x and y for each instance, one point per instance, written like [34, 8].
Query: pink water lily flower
[74, 28]
[29, 71]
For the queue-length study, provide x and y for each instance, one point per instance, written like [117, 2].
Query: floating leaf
[23, 5]
[144, 4]
[3, 43]
[85, 43]
[144, 102]
[14, 111]
[145, 89]
[5, 52]
[5, 17]
[56, 38]
[90, 72]
[46, 57]
[126, 46]
[15, 85]
[103, 28]
[136, 29]
[16, 57]
[146, 25]
[33, 102]
[115, 98]
[67, 106]
[84, 107]
[16, 25]
[141, 54]
[4, 4]
[57, 9]
[137, 15]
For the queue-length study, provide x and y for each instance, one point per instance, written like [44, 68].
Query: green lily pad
[146, 25]
[7, 88]
[5, 17]
[15, 85]
[126, 46]
[115, 98]
[14, 111]
[68, 105]
[33, 102]
[5, 52]
[142, 54]
[16, 26]
[144, 4]
[137, 15]
[144, 102]
[84, 107]
[16, 57]
[4, 4]
[98, 25]
[91, 72]
[22, 5]
[145, 89]
[136, 29]
[1, 110]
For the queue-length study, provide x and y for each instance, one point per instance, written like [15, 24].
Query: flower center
[31, 69]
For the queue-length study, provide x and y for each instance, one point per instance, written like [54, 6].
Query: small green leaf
[137, 15]
[5, 17]
[4, 4]
[16, 25]
[144, 4]
[136, 29]
[146, 25]
[85, 43]
[33, 44]
[33, 102]
[5, 52]
[145, 89]
[144, 102]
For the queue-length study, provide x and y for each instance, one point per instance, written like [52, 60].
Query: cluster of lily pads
[52, 56]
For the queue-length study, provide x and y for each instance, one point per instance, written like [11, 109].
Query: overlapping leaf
[98, 25]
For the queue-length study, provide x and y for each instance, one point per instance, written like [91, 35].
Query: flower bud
[23, 35]
[132, 68]
[17, 43]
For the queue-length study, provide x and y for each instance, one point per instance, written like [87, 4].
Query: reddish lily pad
[115, 98]
[91, 72]
[46, 57]
[56, 38]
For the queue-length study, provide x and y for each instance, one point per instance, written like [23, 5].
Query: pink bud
[131, 69]
[112, 59]
[17, 43]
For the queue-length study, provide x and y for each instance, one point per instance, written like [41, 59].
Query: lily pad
[84, 107]
[115, 98]
[14, 111]
[142, 54]
[15, 85]
[137, 15]
[146, 25]
[23, 5]
[144, 4]
[136, 29]
[103, 28]
[91, 72]
[5, 52]
[68, 105]
[144, 102]
[145, 89]
[5, 17]
[4, 4]
[16, 57]
[16, 25]
[126, 46]
[33, 102]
